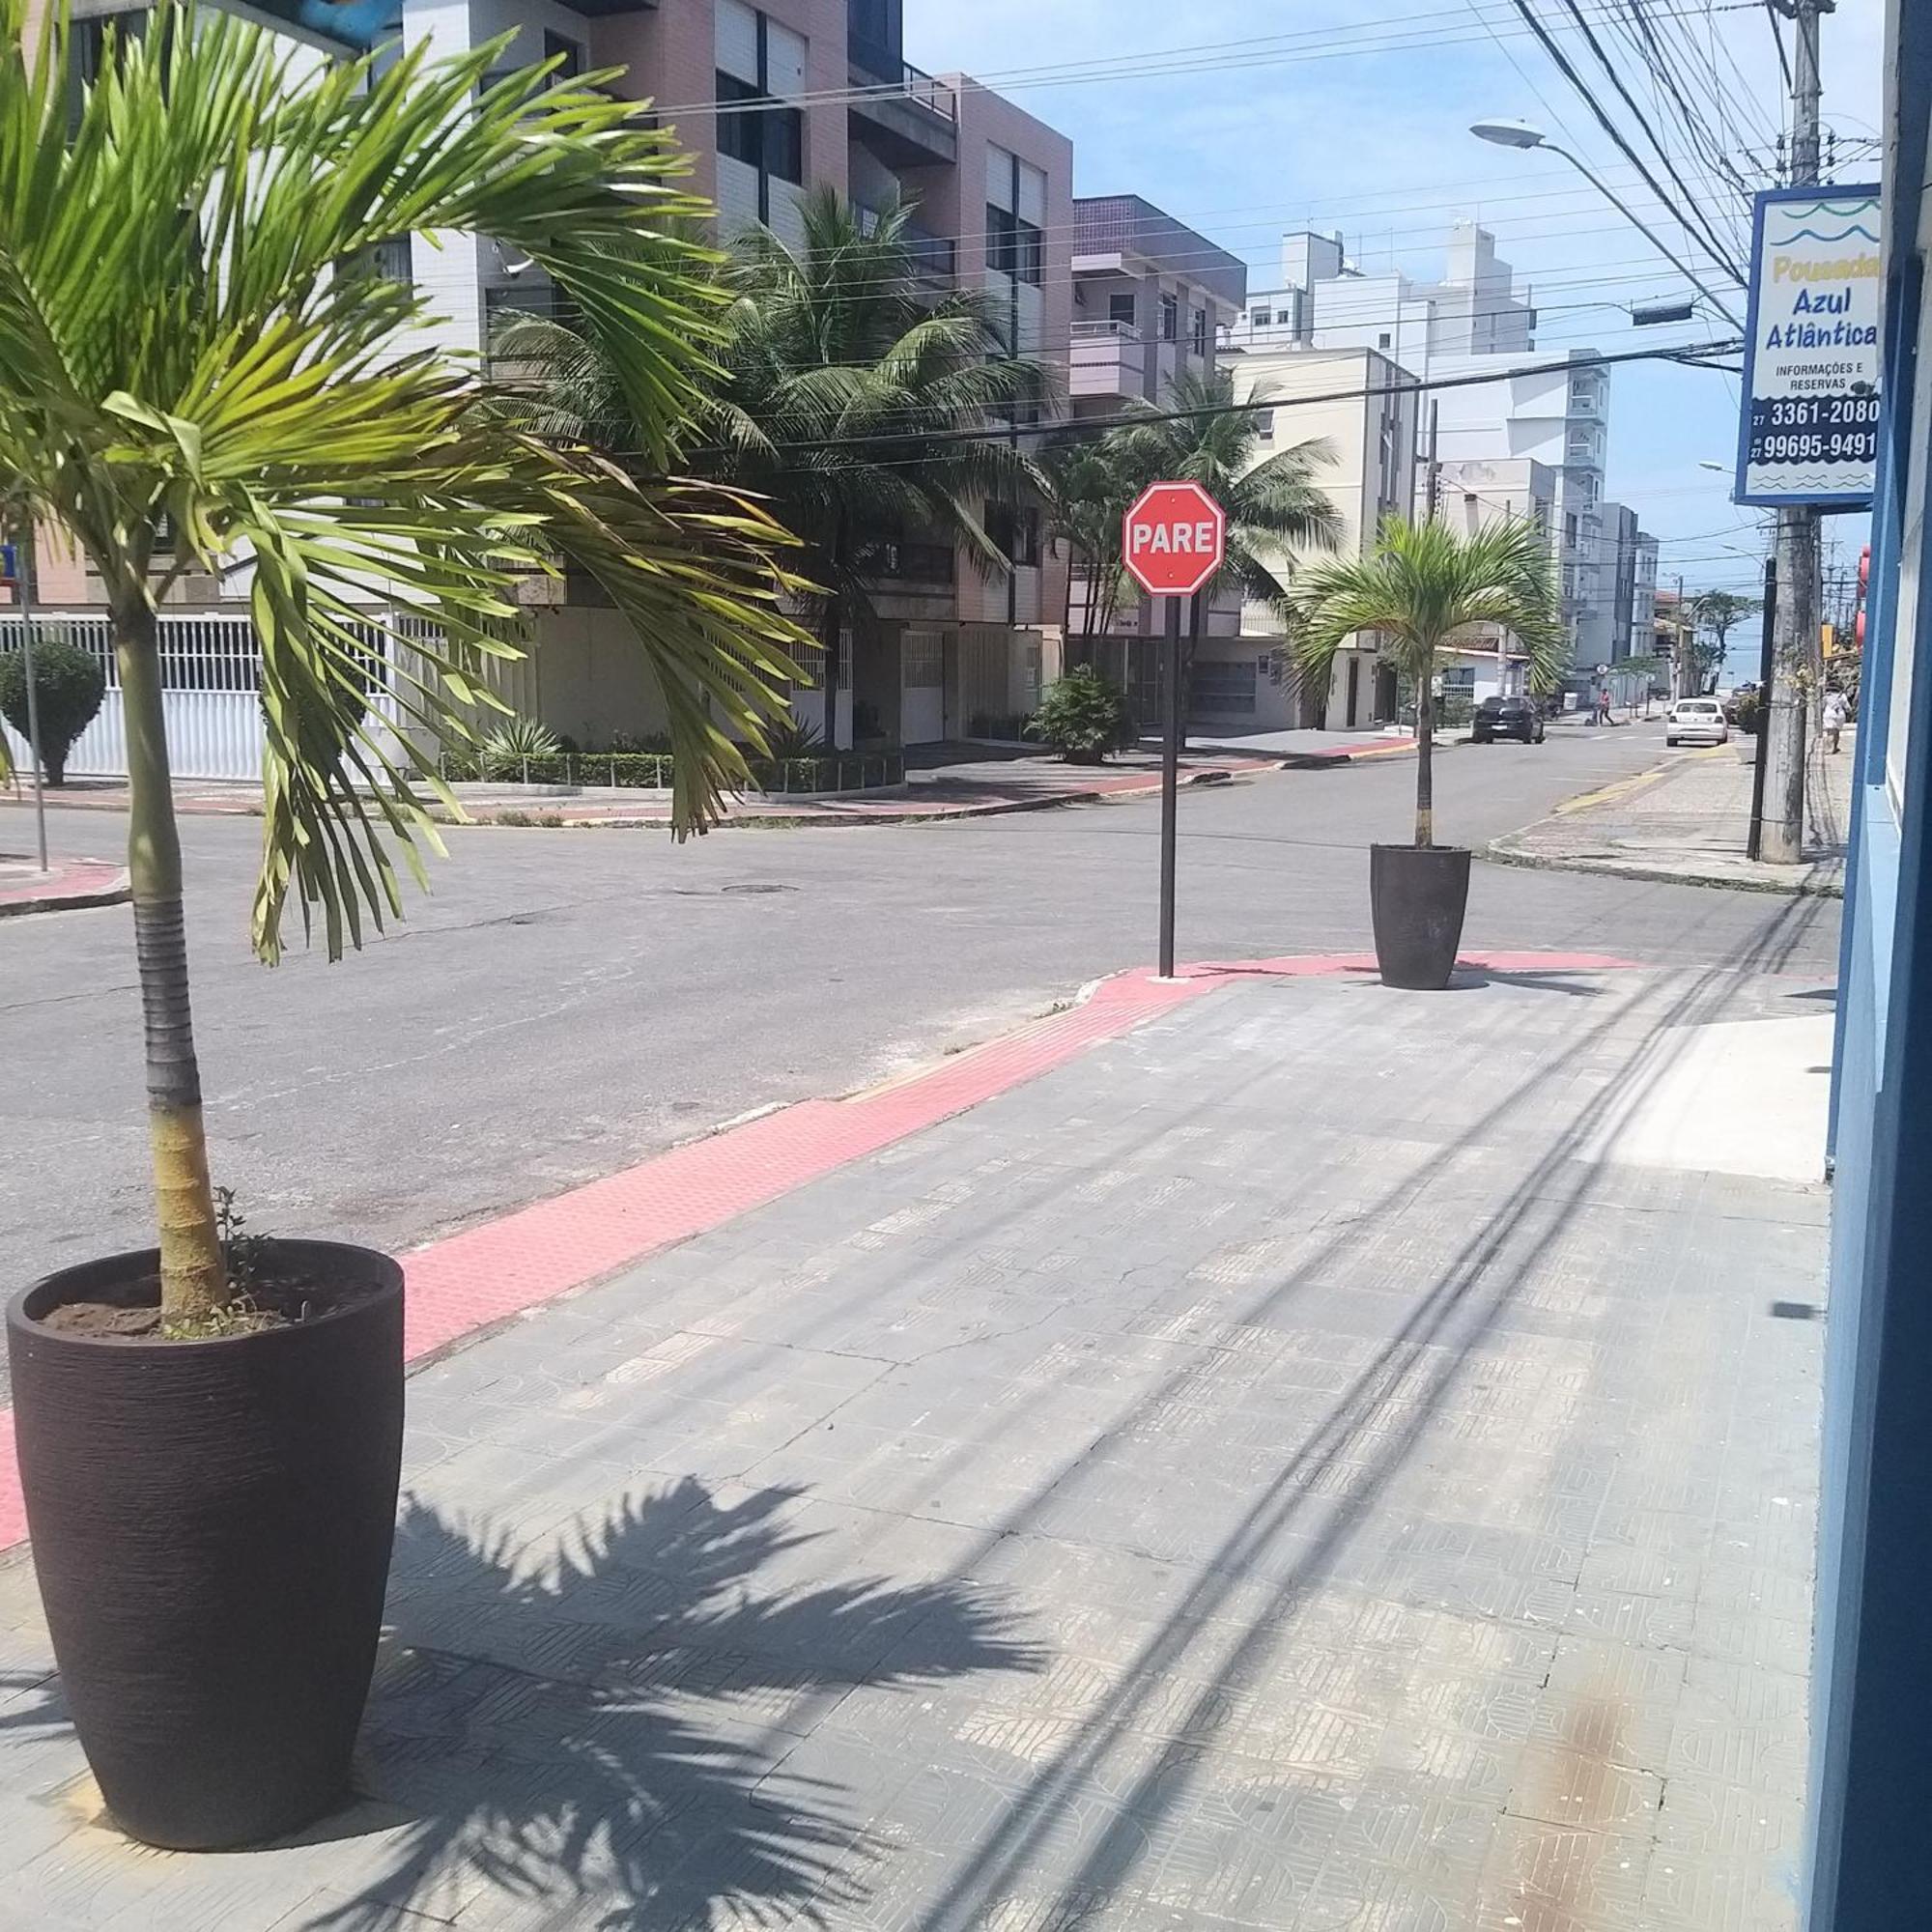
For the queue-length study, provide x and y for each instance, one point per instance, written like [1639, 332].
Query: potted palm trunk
[1421, 588]
[199, 333]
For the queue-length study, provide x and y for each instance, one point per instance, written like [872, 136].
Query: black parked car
[1508, 718]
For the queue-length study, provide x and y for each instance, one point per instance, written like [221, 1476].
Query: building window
[1013, 244]
[1015, 533]
[557, 46]
[1122, 310]
[1200, 331]
[1260, 318]
[1264, 425]
[1385, 339]
[1170, 318]
[766, 137]
[1224, 688]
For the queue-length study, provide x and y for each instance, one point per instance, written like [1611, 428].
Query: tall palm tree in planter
[196, 325]
[1274, 504]
[1422, 587]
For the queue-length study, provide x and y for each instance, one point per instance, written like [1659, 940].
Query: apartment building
[1470, 494]
[1153, 301]
[770, 100]
[1450, 333]
[1352, 400]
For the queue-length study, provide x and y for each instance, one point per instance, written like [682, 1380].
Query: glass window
[765, 137]
[1013, 244]
[1262, 317]
[1384, 340]
[1170, 318]
[1122, 310]
[1200, 331]
[556, 45]
[738, 133]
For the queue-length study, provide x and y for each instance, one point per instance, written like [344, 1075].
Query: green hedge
[651, 771]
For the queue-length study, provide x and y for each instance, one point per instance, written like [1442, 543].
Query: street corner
[65, 885]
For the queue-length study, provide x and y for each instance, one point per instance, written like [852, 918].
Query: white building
[1450, 332]
[1367, 418]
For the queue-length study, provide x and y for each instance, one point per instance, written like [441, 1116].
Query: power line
[1205, 58]
[1714, 246]
[1101, 425]
[1777, 40]
[1610, 127]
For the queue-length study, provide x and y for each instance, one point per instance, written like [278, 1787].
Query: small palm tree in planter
[196, 326]
[1421, 588]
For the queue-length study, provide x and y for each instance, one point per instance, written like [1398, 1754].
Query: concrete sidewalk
[1687, 822]
[1321, 1458]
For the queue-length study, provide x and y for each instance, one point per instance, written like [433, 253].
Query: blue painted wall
[1870, 1852]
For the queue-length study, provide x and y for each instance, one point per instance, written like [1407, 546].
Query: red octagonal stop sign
[1174, 538]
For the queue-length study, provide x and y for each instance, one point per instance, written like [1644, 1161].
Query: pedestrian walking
[1835, 714]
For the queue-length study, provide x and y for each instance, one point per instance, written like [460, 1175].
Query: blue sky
[1266, 134]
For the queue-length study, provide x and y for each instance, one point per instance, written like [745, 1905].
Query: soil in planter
[274, 1298]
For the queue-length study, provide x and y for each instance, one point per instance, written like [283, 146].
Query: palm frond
[192, 328]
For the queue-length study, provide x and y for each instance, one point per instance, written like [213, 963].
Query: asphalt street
[567, 1002]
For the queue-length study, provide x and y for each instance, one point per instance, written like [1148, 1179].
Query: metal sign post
[1169, 780]
[1173, 542]
[14, 572]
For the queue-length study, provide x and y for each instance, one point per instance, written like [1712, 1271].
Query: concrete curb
[936, 815]
[1500, 852]
[116, 892]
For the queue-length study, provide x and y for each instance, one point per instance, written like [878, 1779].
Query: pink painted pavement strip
[486, 1274]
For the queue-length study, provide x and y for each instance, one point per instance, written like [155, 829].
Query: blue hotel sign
[1808, 433]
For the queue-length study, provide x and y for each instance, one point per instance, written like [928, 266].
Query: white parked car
[1695, 720]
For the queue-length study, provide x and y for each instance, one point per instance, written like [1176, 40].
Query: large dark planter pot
[211, 1524]
[1418, 897]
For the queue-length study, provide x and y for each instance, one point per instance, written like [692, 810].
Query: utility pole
[1798, 531]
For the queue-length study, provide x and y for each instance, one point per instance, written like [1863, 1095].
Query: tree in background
[197, 334]
[1089, 483]
[1718, 611]
[863, 410]
[69, 685]
[1272, 503]
[1420, 587]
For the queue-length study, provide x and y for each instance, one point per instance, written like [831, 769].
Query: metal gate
[211, 693]
[922, 687]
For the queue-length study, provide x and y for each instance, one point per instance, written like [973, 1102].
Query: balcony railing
[1109, 359]
[935, 258]
[901, 80]
[891, 561]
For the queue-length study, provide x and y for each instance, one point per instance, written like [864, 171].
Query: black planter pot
[1418, 897]
[211, 1525]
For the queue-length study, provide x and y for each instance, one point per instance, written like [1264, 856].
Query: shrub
[513, 746]
[68, 684]
[1750, 712]
[788, 739]
[1083, 717]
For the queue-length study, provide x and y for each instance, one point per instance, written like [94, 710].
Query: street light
[1520, 134]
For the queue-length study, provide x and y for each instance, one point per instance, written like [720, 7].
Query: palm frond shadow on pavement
[598, 1732]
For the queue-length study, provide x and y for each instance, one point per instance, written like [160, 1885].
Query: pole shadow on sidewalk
[1332, 1479]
